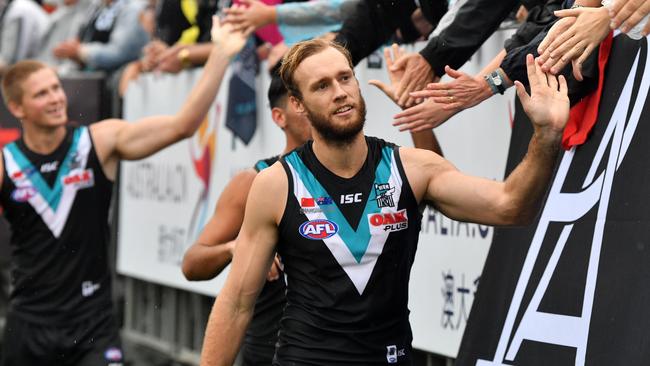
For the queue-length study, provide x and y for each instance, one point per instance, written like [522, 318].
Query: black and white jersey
[348, 245]
[57, 206]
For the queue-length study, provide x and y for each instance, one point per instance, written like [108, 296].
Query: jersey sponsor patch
[315, 205]
[23, 194]
[384, 193]
[50, 167]
[113, 354]
[318, 229]
[312, 202]
[388, 221]
[22, 174]
[81, 179]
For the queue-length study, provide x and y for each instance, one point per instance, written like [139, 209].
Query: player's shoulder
[245, 175]
[414, 155]
[273, 176]
[422, 162]
[269, 192]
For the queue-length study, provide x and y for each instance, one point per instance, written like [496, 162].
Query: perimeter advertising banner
[166, 199]
[572, 289]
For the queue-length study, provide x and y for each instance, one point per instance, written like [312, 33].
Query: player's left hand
[276, 269]
[548, 104]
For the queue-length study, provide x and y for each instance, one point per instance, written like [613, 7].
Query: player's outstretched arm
[234, 306]
[117, 139]
[213, 249]
[517, 200]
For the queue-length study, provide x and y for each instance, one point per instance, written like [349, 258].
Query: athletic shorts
[257, 354]
[91, 342]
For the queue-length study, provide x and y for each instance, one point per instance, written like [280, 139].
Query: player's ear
[279, 117]
[297, 104]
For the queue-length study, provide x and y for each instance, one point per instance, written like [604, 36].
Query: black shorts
[91, 342]
[257, 354]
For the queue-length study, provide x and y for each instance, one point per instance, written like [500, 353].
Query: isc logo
[318, 229]
[388, 221]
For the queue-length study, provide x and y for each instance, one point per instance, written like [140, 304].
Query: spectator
[112, 37]
[296, 21]
[627, 14]
[23, 25]
[65, 23]
[180, 40]
[464, 91]
[574, 38]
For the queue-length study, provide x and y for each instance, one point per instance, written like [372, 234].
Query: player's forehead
[328, 63]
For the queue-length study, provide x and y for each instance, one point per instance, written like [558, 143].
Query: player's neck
[344, 160]
[43, 140]
[291, 143]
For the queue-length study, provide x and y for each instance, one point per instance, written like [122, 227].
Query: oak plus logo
[388, 221]
[80, 179]
[566, 208]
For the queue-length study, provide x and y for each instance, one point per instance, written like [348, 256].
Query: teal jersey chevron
[356, 240]
[52, 195]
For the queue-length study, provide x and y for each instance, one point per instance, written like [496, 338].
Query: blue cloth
[300, 21]
[241, 117]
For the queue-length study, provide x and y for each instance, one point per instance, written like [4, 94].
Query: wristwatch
[184, 58]
[495, 81]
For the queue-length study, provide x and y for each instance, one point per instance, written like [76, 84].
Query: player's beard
[334, 133]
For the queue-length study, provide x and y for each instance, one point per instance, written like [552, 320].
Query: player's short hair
[298, 53]
[12, 81]
[277, 91]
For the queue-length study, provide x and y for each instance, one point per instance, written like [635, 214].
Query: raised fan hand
[229, 40]
[391, 55]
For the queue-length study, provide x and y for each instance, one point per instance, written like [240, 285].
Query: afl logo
[318, 229]
[23, 194]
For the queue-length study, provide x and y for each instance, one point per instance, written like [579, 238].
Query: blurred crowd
[128, 37]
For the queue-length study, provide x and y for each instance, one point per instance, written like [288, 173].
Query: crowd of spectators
[126, 38]
[135, 36]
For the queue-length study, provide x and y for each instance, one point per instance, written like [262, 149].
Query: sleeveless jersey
[262, 332]
[347, 246]
[57, 207]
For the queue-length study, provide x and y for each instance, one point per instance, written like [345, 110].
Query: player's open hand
[548, 104]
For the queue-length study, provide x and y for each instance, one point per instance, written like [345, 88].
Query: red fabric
[582, 116]
[8, 135]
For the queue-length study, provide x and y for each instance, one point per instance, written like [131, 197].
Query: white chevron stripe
[359, 273]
